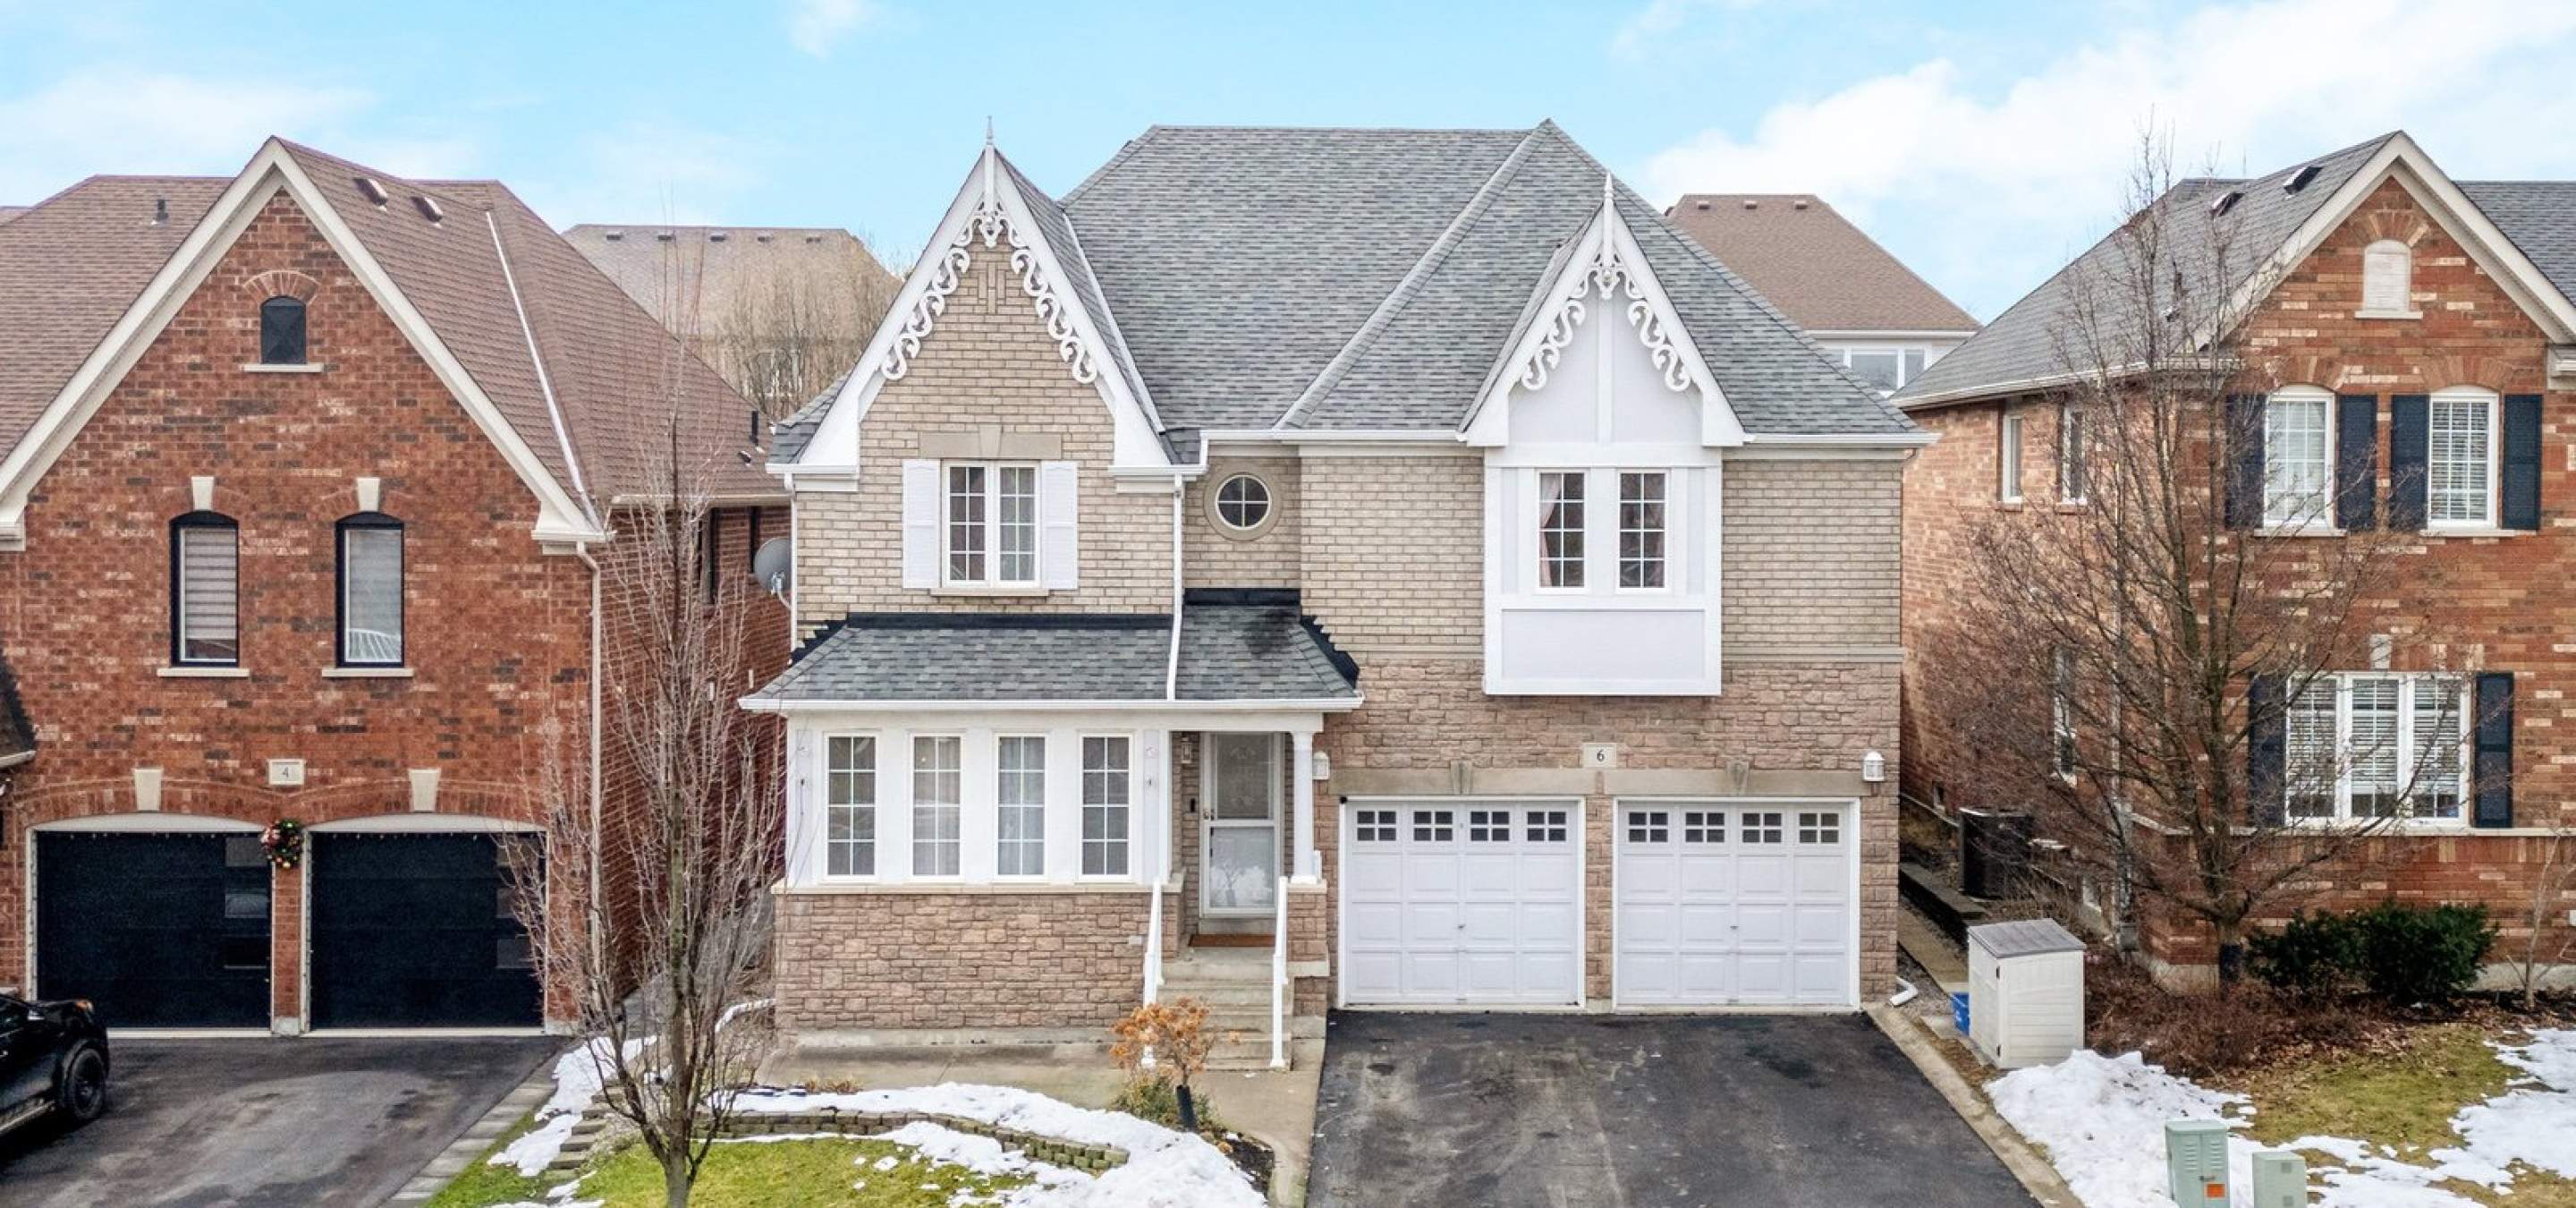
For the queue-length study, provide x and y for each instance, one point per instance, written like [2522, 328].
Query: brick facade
[2494, 603]
[496, 634]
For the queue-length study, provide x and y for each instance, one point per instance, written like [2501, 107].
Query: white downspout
[1162, 871]
[598, 952]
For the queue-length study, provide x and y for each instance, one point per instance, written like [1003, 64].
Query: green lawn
[483, 1183]
[2404, 1099]
[828, 1173]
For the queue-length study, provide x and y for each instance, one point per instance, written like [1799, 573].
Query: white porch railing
[1154, 935]
[1279, 982]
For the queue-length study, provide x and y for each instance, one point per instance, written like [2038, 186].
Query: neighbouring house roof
[71, 266]
[9, 212]
[1334, 279]
[17, 734]
[690, 277]
[1253, 648]
[1820, 270]
[2537, 218]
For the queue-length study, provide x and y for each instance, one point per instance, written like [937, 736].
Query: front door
[1239, 831]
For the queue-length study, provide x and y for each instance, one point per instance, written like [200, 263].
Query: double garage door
[1480, 903]
[174, 930]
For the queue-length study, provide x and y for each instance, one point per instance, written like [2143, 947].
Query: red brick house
[306, 476]
[2418, 336]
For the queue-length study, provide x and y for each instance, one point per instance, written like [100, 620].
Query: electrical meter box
[2196, 1162]
[2280, 1179]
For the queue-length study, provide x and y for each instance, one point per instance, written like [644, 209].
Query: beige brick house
[1398, 559]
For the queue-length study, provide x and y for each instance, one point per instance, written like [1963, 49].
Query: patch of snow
[1164, 1168]
[535, 1149]
[578, 1076]
[2101, 1120]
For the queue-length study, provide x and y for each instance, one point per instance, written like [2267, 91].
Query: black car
[53, 1057]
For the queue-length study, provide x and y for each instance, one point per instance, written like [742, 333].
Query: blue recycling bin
[1959, 1011]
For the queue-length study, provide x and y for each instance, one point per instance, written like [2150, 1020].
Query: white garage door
[1453, 903]
[1722, 904]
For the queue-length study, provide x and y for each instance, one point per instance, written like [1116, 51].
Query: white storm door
[1239, 828]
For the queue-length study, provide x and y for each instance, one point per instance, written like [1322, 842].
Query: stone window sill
[192, 671]
[972, 591]
[307, 367]
[2299, 530]
[955, 888]
[366, 673]
[2388, 314]
[2476, 531]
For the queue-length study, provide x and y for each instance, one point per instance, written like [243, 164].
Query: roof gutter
[1153, 704]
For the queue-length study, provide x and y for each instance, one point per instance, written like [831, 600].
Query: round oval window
[1243, 502]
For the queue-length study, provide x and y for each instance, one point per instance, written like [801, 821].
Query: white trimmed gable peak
[1601, 273]
[992, 210]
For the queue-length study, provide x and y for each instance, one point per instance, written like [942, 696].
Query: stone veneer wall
[933, 960]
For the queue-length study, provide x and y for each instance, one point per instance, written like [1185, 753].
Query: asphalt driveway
[1557, 1111]
[237, 1123]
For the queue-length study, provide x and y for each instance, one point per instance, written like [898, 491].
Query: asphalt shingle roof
[1823, 272]
[2022, 344]
[70, 266]
[1379, 274]
[2540, 217]
[1229, 651]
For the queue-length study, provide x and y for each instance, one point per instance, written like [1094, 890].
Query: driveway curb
[468, 1147]
[2036, 1175]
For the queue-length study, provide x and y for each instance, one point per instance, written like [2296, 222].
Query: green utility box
[2280, 1179]
[2196, 1162]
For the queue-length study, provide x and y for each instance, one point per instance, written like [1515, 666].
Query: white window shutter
[920, 523]
[1059, 543]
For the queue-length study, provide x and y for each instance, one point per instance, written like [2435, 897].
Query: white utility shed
[2025, 992]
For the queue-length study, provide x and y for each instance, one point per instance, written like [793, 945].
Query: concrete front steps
[1234, 984]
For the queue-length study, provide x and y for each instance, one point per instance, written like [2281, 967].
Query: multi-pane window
[1434, 826]
[1886, 369]
[1544, 826]
[1020, 805]
[850, 806]
[1107, 784]
[2297, 463]
[2008, 461]
[1374, 826]
[1757, 826]
[205, 589]
[2073, 447]
[1560, 529]
[1825, 828]
[1703, 827]
[1649, 826]
[2371, 746]
[992, 525]
[2459, 463]
[1243, 502]
[1489, 826]
[371, 591]
[938, 800]
[1641, 529]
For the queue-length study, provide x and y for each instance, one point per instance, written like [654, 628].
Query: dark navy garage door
[161, 931]
[417, 931]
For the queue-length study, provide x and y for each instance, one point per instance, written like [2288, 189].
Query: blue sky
[1983, 143]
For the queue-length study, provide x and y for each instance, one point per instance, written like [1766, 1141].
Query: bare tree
[2548, 943]
[676, 800]
[2155, 654]
[785, 333]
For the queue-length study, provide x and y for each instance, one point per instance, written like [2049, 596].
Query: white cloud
[817, 26]
[1986, 186]
[125, 121]
[1660, 20]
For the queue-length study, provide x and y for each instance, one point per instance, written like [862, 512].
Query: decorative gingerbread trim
[991, 223]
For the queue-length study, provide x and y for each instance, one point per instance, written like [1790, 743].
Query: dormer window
[2388, 281]
[281, 331]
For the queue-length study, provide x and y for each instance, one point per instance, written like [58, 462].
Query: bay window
[1641, 529]
[938, 803]
[992, 524]
[1108, 779]
[850, 806]
[1020, 805]
[2376, 745]
[1560, 530]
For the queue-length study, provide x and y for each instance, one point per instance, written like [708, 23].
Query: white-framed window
[2298, 457]
[1242, 502]
[991, 524]
[1019, 802]
[1641, 530]
[2371, 745]
[850, 805]
[2008, 459]
[2074, 445]
[1885, 369]
[2460, 458]
[1108, 791]
[938, 804]
[2388, 279]
[1560, 530]
[2061, 695]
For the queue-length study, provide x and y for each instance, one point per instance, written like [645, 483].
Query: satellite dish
[775, 565]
